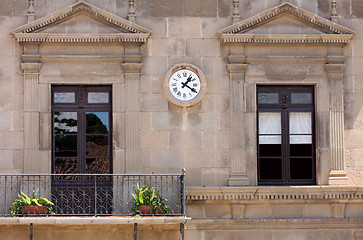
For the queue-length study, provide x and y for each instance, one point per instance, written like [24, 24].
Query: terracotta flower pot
[34, 210]
[148, 209]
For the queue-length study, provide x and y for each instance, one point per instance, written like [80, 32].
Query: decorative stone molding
[131, 17]
[256, 193]
[238, 211]
[31, 10]
[334, 12]
[128, 31]
[338, 209]
[237, 73]
[330, 31]
[337, 173]
[236, 15]
[31, 116]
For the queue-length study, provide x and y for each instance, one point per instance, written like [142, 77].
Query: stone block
[154, 103]
[205, 8]
[11, 140]
[166, 8]
[201, 158]
[353, 210]
[225, 8]
[316, 211]
[154, 65]
[168, 158]
[219, 211]
[167, 47]
[357, 8]
[186, 139]
[202, 47]
[145, 120]
[119, 161]
[166, 121]
[324, 9]
[154, 139]
[195, 211]
[45, 161]
[216, 103]
[45, 140]
[201, 121]
[214, 176]
[256, 211]
[119, 120]
[187, 27]
[6, 159]
[6, 120]
[122, 8]
[194, 177]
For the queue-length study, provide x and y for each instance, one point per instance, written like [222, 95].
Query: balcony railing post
[95, 195]
[182, 195]
[6, 205]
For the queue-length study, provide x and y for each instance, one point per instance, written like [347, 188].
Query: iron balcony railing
[92, 194]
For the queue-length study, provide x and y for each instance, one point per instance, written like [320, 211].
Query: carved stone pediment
[286, 23]
[81, 22]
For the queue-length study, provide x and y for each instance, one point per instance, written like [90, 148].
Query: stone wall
[197, 138]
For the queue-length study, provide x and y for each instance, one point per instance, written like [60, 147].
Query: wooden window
[286, 135]
[81, 129]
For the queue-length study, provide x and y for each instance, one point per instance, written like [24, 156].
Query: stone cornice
[330, 32]
[285, 38]
[332, 193]
[128, 31]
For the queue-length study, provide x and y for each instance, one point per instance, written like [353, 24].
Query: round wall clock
[184, 85]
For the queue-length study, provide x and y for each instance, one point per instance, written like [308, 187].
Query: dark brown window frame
[284, 106]
[82, 107]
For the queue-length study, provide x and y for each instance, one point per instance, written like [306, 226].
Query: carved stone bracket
[337, 209]
[238, 175]
[238, 211]
[337, 173]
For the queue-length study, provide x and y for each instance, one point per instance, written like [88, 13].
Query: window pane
[301, 150]
[301, 168]
[269, 123]
[271, 139]
[300, 123]
[301, 98]
[65, 146]
[97, 146]
[97, 165]
[64, 97]
[270, 169]
[65, 165]
[97, 97]
[300, 139]
[97, 123]
[270, 150]
[268, 98]
[65, 122]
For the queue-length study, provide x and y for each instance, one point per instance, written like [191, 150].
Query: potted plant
[147, 201]
[24, 205]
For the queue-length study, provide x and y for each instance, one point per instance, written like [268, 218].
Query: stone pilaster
[132, 69]
[31, 116]
[238, 162]
[337, 173]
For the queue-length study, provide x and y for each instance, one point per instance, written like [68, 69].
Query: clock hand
[193, 89]
[188, 80]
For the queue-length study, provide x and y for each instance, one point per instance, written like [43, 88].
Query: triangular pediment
[81, 22]
[286, 23]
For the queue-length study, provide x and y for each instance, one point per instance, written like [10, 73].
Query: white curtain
[269, 123]
[300, 123]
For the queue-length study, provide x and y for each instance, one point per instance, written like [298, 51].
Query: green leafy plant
[150, 197]
[23, 200]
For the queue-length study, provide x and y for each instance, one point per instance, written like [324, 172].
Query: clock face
[184, 85]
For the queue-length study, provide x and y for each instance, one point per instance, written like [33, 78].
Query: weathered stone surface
[206, 8]
[166, 8]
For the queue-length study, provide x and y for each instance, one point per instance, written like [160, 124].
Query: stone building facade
[272, 145]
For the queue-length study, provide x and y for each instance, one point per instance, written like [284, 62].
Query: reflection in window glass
[97, 165]
[65, 122]
[64, 97]
[97, 146]
[97, 97]
[268, 98]
[97, 123]
[301, 98]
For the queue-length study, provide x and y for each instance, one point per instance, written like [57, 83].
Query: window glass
[64, 97]
[269, 125]
[301, 98]
[97, 97]
[65, 122]
[97, 123]
[268, 98]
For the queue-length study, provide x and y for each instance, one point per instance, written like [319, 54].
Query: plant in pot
[147, 201]
[25, 205]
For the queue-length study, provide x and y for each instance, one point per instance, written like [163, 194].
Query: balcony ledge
[95, 220]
